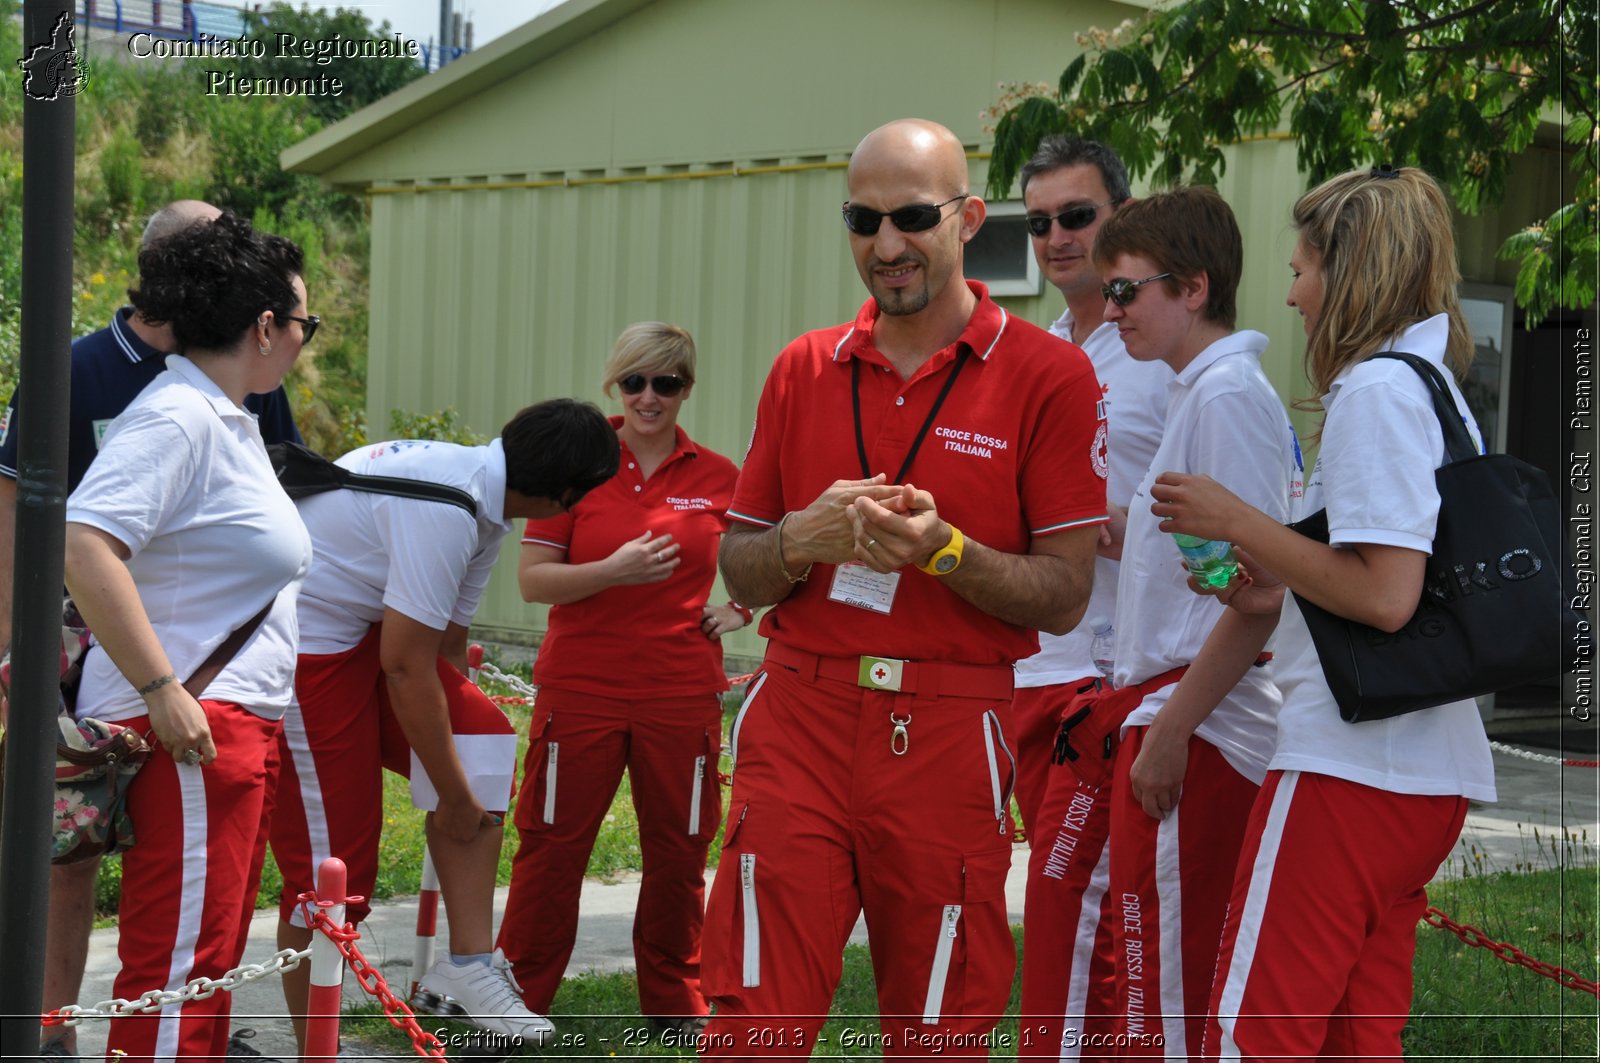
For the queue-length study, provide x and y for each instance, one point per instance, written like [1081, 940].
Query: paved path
[1544, 809]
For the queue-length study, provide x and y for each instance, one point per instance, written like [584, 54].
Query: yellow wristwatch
[947, 559]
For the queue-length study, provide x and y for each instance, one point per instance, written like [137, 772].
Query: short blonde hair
[650, 347]
[1387, 246]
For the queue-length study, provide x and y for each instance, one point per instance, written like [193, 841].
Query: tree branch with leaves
[1457, 90]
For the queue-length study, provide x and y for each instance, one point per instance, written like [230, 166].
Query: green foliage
[1457, 89]
[121, 171]
[444, 426]
[364, 79]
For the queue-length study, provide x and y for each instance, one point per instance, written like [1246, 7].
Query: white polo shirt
[1225, 421]
[183, 480]
[1381, 443]
[427, 560]
[1135, 394]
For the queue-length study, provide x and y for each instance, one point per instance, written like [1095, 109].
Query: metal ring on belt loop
[900, 740]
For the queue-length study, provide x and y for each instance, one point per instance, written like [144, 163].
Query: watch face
[946, 563]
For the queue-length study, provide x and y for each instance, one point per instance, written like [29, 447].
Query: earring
[264, 348]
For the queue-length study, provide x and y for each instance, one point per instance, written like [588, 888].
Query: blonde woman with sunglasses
[630, 677]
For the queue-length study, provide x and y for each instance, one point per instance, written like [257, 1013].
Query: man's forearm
[751, 569]
[1038, 591]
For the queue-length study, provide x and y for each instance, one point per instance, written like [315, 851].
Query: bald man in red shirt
[918, 501]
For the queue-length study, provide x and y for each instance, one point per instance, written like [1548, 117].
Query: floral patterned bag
[95, 761]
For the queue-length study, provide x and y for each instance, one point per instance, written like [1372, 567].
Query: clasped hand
[902, 529]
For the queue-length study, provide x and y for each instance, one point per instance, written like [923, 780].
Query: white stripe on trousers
[1255, 906]
[1083, 951]
[1169, 906]
[305, 769]
[191, 901]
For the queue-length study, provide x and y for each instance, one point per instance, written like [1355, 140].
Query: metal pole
[444, 33]
[47, 191]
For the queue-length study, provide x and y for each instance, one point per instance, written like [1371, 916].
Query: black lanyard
[916, 444]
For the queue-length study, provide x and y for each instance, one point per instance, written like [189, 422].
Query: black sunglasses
[310, 325]
[1121, 290]
[1072, 219]
[913, 218]
[666, 385]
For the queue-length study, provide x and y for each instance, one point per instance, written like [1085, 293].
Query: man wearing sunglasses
[109, 370]
[1071, 187]
[918, 500]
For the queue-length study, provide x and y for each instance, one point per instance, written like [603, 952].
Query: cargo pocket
[738, 721]
[971, 939]
[705, 797]
[733, 916]
[1002, 770]
[536, 799]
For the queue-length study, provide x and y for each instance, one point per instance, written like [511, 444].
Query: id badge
[856, 584]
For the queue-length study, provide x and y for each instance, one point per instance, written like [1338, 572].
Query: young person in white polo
[1195, 749]
[381, 682]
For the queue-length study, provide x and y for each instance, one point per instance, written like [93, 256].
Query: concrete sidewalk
[1544, 809]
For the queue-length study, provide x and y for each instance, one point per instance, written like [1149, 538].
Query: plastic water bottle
[1209, 561]
[1103, 649]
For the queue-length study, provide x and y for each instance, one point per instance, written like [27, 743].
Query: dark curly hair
[212, 280]
[559, 449]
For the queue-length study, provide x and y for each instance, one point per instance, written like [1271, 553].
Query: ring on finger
[191, 757]
[871, 543]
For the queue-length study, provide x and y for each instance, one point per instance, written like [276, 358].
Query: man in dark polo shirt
[109, 370]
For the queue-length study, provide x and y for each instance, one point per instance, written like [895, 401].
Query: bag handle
[213, 665]
[1458, 442]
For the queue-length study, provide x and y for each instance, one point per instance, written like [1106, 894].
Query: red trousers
[1036, 715]
[338, 736]
[1170, 883]
[1069, 983]
[1317, 953]
[827, 820]
[187, 889]
[579, 745]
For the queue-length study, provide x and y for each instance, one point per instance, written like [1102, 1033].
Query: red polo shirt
[641, 641]
[1017, 450]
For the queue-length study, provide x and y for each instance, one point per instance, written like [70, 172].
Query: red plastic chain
[1510, 953]
[372, 981]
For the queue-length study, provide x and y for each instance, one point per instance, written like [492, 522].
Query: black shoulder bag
[1492, 614]
[303, 473]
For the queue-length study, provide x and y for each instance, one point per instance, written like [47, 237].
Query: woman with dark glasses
[1196, 740]
[630, 676]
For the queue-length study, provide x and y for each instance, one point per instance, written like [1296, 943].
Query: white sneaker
[490, 998]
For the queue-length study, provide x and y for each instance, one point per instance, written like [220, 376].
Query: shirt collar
[1427, 338]
[196, 378]
[982, 334]
[133, 348]
[1245, 341]
[492, 504]
[682, 444]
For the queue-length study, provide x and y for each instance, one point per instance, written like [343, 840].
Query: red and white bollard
[474, 661]
[427, 928]
[327, 969]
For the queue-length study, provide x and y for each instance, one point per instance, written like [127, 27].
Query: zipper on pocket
[941, 964]
[550, 782]
[738, 722]
[694, 794]
[752, 920]
[994, 736]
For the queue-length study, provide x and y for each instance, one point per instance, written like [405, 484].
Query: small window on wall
[1001, 255]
